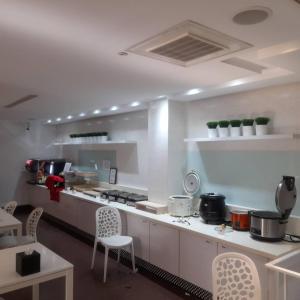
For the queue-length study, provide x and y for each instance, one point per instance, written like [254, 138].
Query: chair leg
[119, 254]
[94, 254]
[133, 258]
[105, 263]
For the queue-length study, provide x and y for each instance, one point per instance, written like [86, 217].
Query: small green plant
[262, 121]
[211, 125]
[248, 122]
[223, 124]
[235, 123]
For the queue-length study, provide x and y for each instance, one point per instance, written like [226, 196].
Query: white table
[52, 266]
[9, 222]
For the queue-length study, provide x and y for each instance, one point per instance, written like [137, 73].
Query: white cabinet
[138, 228]
[259, 261]
[196, 256]
[164, 247]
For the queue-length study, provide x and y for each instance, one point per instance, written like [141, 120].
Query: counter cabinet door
[196, 256]
[138, 228]
[164, 247]
[260, 262]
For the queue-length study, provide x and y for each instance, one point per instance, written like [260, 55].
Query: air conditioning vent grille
[187, 48]
[188, 43]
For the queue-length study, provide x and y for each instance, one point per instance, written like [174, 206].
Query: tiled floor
[121, 282]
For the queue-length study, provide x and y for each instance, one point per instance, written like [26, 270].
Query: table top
[51, 263]
[7, 220]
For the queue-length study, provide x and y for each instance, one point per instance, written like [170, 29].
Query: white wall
[17, 145]
[132, 160]
[247, 173]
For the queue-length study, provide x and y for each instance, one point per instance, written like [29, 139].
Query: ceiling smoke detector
[188, 43]
[252, 15]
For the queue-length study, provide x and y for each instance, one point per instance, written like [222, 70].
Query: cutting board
[152, 207]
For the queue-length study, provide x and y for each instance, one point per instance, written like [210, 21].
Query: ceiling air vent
[21, 101]
[188, 43]
[245, 64]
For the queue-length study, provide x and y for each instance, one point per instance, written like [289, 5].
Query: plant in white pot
[235, 129]
[261, 125]
[223, 128]
[212, 129]
[248, 129]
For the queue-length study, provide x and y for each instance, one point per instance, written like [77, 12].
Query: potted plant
[223, 128]
[248, 129]
[235, 129]
[261, 125]
[212, 129]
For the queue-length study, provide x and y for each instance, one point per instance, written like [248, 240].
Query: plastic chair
[10, 207]
[235, 277]
[108, 233]
[31, 229]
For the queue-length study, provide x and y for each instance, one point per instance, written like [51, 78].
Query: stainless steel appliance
[269, 225]
[212, 208]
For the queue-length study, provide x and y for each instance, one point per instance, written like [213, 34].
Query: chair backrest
[32, 222]
[10, 207]
[235, 277]
[108, 222]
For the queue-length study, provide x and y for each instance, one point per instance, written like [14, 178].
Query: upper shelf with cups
[241, 130]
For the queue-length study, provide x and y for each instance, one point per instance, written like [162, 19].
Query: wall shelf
[245, 138]
[118, 142]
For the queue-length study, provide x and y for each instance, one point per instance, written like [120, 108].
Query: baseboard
[178, 285]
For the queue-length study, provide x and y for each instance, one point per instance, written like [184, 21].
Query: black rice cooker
[212, 208]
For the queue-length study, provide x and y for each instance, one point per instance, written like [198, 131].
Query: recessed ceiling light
[161, 97]
[193, 92]
[252, 15]
[97, 111]
[134, 104]
[81, 114]
[69, 117]
[49, 121]
[58, 119]
[113, 108]
[123, 53]
[236, 82]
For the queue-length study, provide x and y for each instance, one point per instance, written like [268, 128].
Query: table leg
[69, 285]
[35, 292]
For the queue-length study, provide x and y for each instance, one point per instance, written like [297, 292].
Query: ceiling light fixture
[81, 114]
[97, 111]
[113, 108]
[134, 104]
[161, 97]
[58, 119]
[69, 117]
[193, 92]
[49, 121]
[236, 82]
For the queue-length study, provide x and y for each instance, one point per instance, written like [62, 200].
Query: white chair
[235, 277]
[108, 233]
[10, 207]
[31, 228]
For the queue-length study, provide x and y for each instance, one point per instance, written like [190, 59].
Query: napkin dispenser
[28, 263]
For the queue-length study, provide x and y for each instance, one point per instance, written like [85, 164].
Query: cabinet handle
[208, 242]
[223, 247]
[154, 224]
[144, 221]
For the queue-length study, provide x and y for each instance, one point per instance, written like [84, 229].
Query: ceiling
[66, 52]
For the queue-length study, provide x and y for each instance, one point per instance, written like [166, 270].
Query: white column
[166, 131]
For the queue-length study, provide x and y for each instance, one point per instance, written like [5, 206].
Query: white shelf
[245, 138]
[92, 143]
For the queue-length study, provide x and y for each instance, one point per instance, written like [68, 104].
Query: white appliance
[186, 205]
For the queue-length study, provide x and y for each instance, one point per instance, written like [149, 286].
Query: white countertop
[235, 238]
